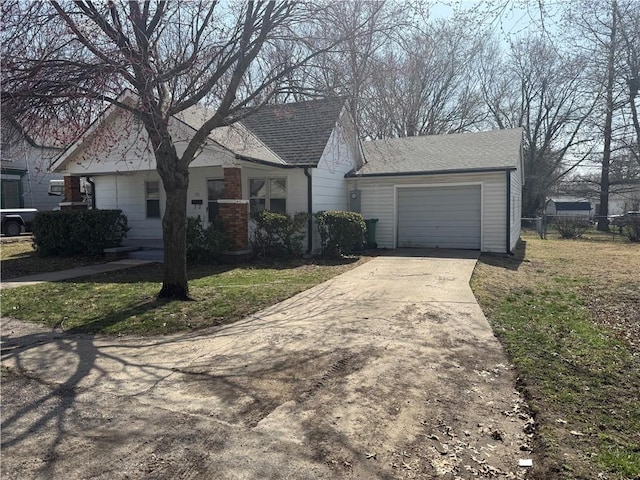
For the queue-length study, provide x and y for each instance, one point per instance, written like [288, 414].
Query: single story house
[451, 191]
[625, 198]
[288, 158]
[25, 176]
[446, 191]
[568, 208]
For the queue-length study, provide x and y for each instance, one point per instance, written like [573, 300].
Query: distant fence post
[539, 223]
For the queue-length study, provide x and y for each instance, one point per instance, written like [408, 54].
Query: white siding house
[292, 158]
[25, 171]
[449, 191]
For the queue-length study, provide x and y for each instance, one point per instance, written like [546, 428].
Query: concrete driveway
[387, 371]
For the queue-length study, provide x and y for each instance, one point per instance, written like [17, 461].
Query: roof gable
[458, 152]
[297, 132]
[293, 134]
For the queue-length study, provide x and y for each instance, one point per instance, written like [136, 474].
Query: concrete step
[119, 252]
[154, 255]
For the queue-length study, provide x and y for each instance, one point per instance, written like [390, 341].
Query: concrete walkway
[72, 273]
[387, 371]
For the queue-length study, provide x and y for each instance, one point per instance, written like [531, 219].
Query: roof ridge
[444, 135]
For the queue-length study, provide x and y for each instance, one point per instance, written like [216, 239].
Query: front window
[152, 193]
[215, 189]
[268, 194]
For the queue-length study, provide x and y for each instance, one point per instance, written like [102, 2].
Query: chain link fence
[574, 226]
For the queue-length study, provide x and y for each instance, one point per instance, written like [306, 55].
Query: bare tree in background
[172, 56]
[604, 34]
[347, 70]
[425, 87]
[623, 180]
[543, 90]
[629, 27]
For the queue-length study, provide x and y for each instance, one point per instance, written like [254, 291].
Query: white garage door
[439, 217]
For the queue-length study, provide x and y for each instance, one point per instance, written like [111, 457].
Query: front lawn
[568, 314]
[124, 302]
[18, 258]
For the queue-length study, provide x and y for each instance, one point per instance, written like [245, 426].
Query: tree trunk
[175, 180]
[174, 233]
[532, 199]
[603, 221]
[174, 173]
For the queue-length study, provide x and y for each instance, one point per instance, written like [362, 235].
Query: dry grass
[568, 314]
[608, 274]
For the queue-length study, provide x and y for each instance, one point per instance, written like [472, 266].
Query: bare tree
[424, 87]
[543, 90]
[171, 55]
[603, 32]
[348, 69]
[628, 16]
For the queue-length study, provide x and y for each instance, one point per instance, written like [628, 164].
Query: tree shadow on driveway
[52, 406]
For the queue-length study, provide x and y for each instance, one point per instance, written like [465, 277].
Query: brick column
[72, 195]
[233, 210]
[232, 183]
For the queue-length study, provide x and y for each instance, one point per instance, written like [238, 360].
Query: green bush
[78, 232]
[340, 232]
[278, 234]
[205, 244]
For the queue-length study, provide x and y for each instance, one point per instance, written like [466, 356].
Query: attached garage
[439, 217]
[460, 191]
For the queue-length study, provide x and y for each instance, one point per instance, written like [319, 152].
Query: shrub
[278, 234]
[205, 244]
[78, 232]
[632, 227]
[340, 232]
[571, 227]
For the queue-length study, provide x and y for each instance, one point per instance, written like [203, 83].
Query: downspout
[93, 193]
[508, 214]
[309, 211]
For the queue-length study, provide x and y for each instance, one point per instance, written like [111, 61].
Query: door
[11, 197]
[439, 217]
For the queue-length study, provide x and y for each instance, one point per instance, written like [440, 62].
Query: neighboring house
[287, 158]
[568, 208]
[625, 199]
[447, 191]
[25, 173]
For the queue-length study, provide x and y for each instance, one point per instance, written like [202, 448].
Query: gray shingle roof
[498, 149]
[572, 206]
[296, 132]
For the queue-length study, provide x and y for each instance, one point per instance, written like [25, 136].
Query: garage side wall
[379, 200]
[516, 207]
